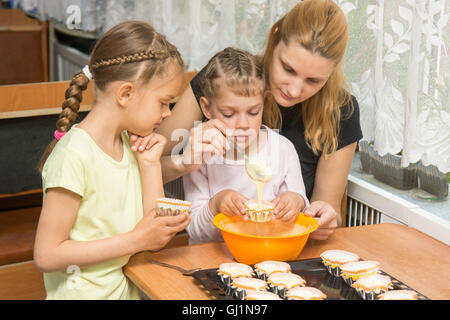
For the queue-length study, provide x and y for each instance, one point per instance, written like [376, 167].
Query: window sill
[432, 218]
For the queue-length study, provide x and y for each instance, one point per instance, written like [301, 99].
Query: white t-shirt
[219, 174]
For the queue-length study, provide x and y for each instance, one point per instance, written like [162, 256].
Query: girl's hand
[205, 141]
[149, 148]
[287, 206]
[326, 216]
[153, 232]
[229, 202]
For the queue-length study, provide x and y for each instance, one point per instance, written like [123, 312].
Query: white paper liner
[259, 215]
[171, 207]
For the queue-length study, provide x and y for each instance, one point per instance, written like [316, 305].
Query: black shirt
[294, 129]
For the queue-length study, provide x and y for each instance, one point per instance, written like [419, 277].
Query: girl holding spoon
[307, 98]
[233, 83]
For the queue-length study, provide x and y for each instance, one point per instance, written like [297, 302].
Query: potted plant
[433, 181]
[388, 169]
[364, 155]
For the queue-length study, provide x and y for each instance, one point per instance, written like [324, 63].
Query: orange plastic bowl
[250, 249]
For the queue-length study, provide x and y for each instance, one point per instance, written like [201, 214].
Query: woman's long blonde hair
[129, 51]
[320, 27]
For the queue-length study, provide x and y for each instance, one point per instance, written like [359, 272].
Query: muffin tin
[312, 270]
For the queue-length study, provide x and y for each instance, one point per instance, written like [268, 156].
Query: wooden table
[410, 256]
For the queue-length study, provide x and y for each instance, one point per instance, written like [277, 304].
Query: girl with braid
[307, 98]
[99, 190]
[233, 93]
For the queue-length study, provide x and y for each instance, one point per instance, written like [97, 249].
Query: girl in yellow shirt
[99, 190]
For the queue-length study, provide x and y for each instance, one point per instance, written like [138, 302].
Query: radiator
[361, 214]
[367, 204]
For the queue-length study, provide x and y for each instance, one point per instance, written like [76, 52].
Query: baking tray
[312, 270]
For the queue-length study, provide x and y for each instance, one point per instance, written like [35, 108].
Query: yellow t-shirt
[111, 204]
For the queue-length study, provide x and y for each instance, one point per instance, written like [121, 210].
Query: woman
[307, 100]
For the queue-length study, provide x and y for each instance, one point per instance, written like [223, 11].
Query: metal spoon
[185, 272]
[257, 169]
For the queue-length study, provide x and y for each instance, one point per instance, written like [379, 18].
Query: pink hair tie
[58, 135]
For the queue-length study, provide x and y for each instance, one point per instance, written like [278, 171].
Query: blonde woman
[308, 101]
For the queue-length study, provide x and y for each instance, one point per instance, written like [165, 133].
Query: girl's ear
[125, 93]
[204, 104]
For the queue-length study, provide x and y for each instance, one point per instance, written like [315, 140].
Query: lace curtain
[397, 62]
[398, 66]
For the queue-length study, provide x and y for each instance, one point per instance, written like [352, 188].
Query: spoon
[185, 272]
[257, 169]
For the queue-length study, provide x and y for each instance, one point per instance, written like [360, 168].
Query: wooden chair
[28, 114]
[24, 48]
[21, 281]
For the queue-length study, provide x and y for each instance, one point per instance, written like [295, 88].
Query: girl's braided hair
[130, 51]
[241, 71]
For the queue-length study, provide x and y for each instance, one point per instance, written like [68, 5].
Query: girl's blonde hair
[319, 26]
[241, 72]
[130, 51]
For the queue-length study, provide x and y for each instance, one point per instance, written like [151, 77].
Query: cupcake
[259, 213]
[333, 259]
[265, 268]
[398, 295]
[281, 282]
[305, 293]
[351, 271]
[239, 286]
[171, 207]
[261, 295]
[231, 270]
[371, 285]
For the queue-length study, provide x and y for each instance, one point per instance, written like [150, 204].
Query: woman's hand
[287, 206]
[205, 141]
[153, 232]
[326, 216]
[149, 148]
[228, 202]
